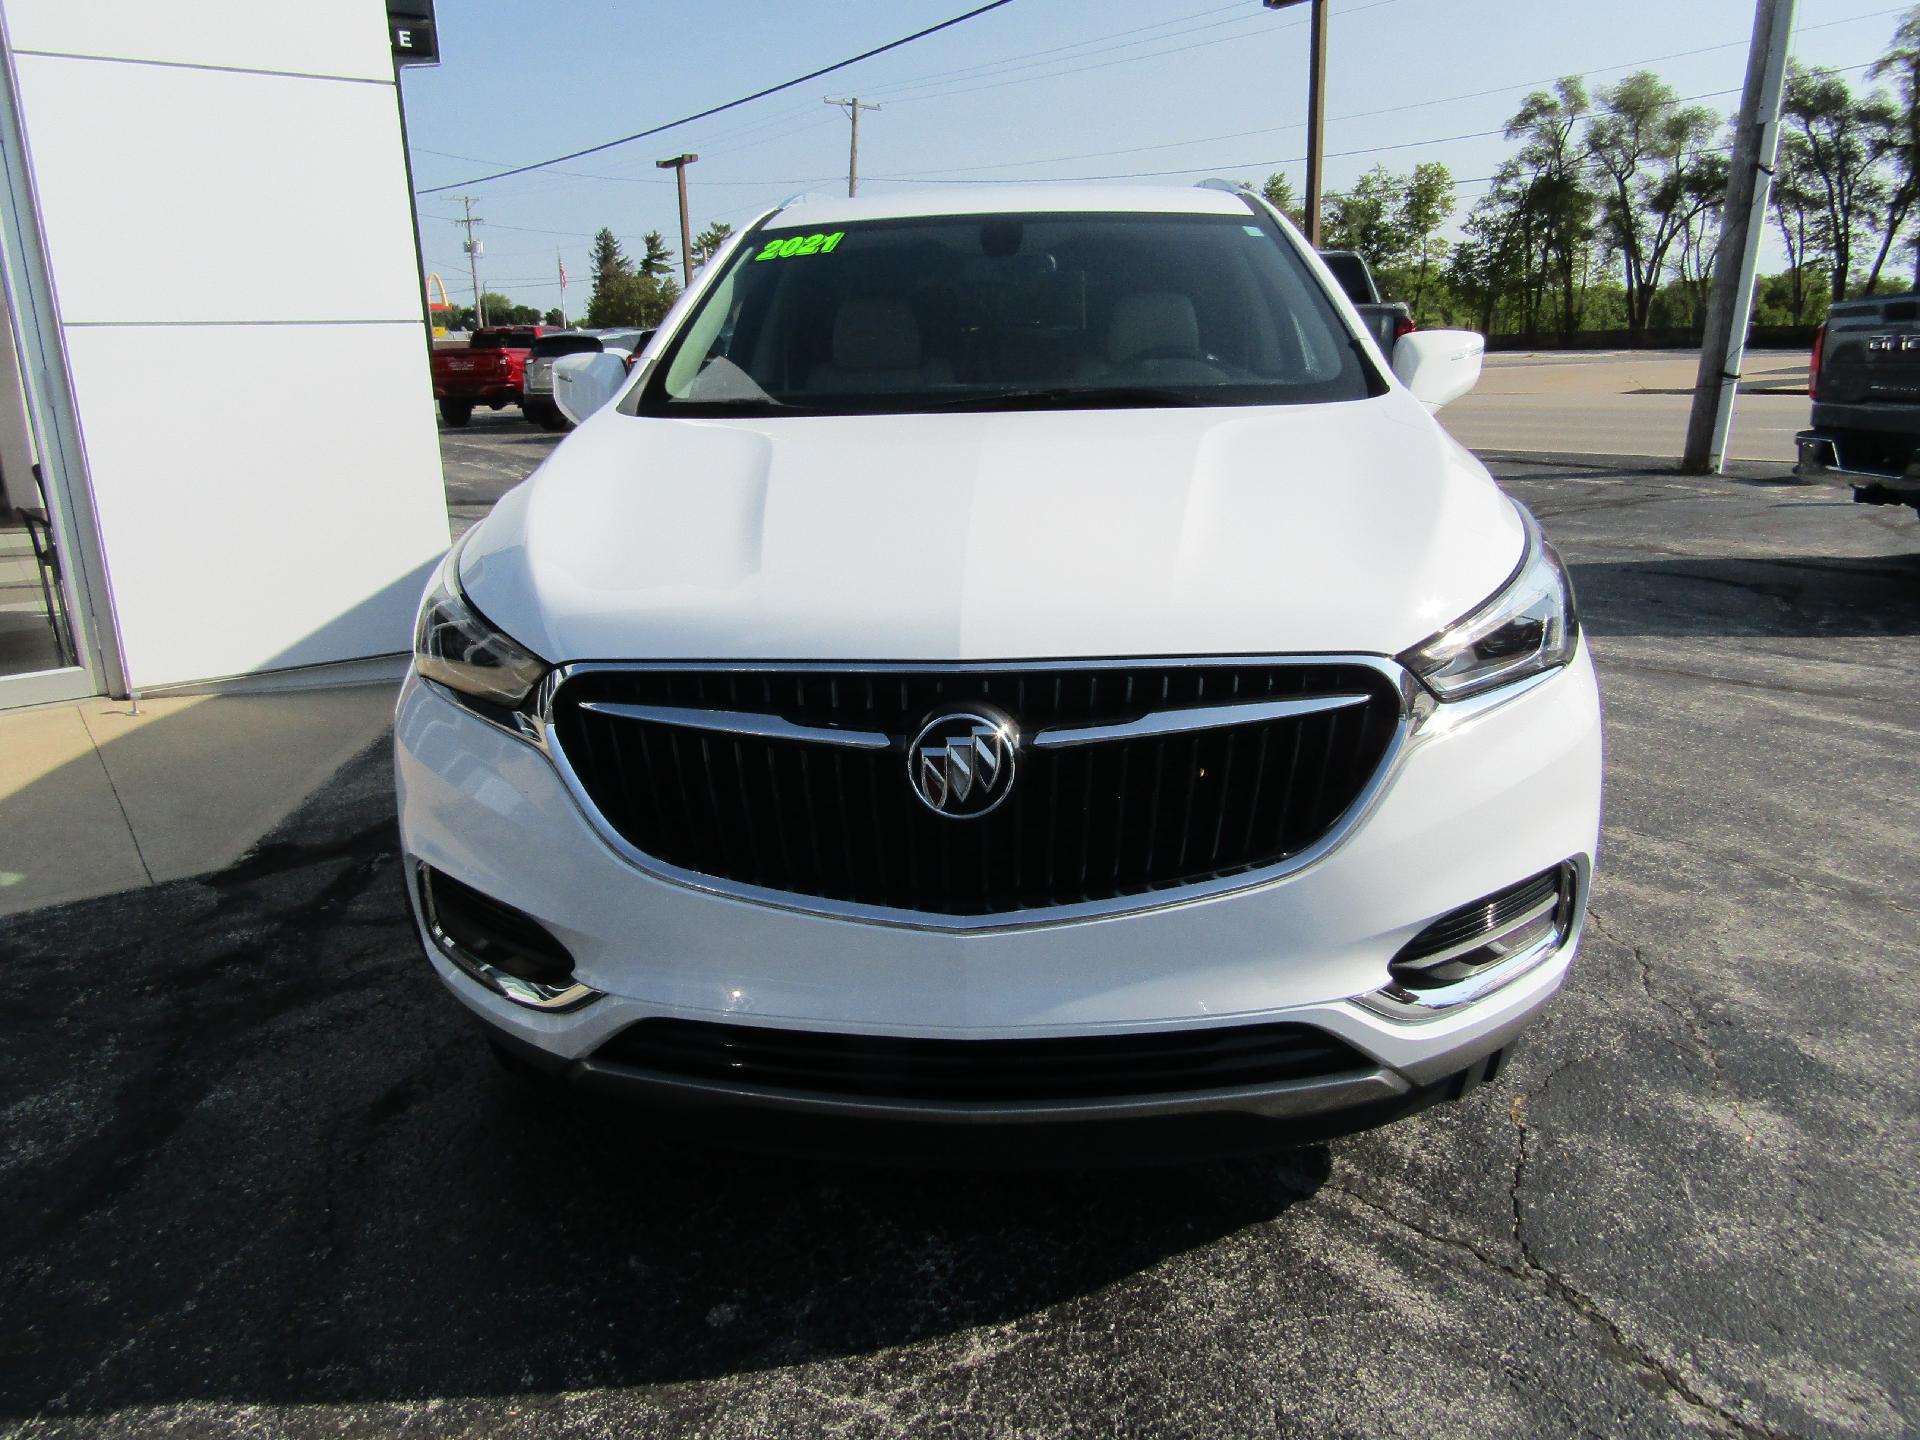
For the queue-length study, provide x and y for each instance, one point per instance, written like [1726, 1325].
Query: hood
[1352, 527]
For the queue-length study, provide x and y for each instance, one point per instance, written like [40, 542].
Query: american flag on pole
[563, 271]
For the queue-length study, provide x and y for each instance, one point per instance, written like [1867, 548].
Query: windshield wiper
[1071, 397]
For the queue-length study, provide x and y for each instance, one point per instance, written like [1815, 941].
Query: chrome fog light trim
[1512, 946]
[534, 994]
[1398, 1002]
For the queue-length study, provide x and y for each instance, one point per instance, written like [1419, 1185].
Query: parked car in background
[487, 370]
[1013, 663]
[1864, 382]
[537, 386]
[1386, 320]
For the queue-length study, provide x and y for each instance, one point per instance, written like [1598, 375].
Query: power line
[1087, 48]
[1257, 27]
[1026, 58]
[731, 104]
[948, 176]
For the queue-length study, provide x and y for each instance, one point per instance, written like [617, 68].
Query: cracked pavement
[259, 1178]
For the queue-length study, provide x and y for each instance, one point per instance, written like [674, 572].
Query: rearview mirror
[584, 382]
[1439, 366]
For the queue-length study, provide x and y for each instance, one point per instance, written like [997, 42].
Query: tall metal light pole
[1316, 109]
[678, 164]
[1749, 179]
[853, 107]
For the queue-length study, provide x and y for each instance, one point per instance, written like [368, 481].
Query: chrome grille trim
[1412, 706]
[741, 722]
[1193, 717]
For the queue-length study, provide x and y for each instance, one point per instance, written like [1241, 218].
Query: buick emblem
[961, 763]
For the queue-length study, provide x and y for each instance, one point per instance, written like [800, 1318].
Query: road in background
[1625, 402]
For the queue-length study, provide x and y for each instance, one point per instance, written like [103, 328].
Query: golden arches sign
[440, 310]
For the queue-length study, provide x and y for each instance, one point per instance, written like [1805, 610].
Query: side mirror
[1439, 366]
[583, 383]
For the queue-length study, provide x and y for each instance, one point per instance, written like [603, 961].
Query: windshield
[1009, 312]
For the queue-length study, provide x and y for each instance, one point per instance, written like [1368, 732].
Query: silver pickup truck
[1865, 386]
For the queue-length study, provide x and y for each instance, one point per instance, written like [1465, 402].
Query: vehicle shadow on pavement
[1813, 595]
[256, 1154]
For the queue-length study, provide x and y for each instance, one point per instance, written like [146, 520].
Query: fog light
[1473, 951]
[506, 950]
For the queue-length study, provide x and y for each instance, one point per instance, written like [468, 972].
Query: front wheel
[546, 415]
[456, 412]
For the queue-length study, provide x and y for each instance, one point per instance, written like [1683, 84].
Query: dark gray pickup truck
[1865, 384]
[1388, 320]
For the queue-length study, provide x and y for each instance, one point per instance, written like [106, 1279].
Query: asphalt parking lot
[260, 1179]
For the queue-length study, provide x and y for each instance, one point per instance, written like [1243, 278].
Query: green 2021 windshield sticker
[800, 245]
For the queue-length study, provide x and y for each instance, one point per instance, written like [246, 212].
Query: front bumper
[1475, 802]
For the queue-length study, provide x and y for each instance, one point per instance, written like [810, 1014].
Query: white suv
[1020, 656]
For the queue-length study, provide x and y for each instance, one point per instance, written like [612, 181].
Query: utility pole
[678, 164]
[1316, 110]
[853, 107]
[473, 261]
[1749, 179]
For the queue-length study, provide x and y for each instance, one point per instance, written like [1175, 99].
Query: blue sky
[1039, 89]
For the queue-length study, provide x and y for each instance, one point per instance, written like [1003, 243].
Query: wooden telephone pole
[678, 164]
[1316, 110]
[853, 107]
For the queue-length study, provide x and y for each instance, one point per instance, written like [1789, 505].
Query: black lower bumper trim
[733, 1122]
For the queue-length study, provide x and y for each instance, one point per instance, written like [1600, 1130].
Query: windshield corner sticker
[1255, 231]
[815, 244]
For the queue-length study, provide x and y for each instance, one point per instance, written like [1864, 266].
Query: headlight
[1528, 626]
[454, 645]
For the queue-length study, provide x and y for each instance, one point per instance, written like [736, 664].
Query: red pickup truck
[488, 371]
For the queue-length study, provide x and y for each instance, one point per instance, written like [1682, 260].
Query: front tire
[456, 413]
[546, 415]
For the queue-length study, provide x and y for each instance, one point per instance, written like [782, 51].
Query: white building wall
[223, 194]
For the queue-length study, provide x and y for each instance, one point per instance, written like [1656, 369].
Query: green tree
[608, 260]
[709, 240]
[554, 316]
[1648, 148]
[1899, 121]
[500, 311]
[1547, 180]
[1394, 222]
[637, 300]
[1845, 139]
[1279, 193]
[1794, 206]
[1362, 218]
[658, 259]
[1426, 205]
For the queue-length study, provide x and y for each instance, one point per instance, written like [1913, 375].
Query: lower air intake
[897, 1068]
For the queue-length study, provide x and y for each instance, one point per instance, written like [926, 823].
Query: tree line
[1606, 215]
[625, 292]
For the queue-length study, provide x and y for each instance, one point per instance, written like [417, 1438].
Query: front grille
[889, 1067]
[1082, 823]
